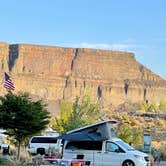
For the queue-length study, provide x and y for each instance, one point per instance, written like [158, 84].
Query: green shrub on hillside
[162, 106]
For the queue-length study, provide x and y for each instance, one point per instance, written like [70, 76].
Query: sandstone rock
[56, 73]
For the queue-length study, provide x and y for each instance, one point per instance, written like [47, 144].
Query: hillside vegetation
[147, 117]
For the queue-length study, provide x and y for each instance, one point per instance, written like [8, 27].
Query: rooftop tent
[82, 136]
[104, 129]
[96, 132]
[99, 124]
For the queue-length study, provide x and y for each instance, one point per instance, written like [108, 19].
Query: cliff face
[55, 73]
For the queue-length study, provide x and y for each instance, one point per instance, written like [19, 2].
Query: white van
[113, 152]
[41, 144]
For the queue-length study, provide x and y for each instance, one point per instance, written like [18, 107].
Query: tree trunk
[19, 148]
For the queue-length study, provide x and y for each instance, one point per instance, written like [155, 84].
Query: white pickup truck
[113, 152]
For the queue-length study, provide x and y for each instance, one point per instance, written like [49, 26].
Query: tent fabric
[82, 136]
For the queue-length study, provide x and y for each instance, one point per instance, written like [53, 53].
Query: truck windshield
[125, 145]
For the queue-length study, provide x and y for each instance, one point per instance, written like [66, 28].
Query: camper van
[112, 152]
[98, 144]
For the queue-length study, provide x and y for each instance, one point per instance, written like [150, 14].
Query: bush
[11, 160]
[8, 161]
[24, 155]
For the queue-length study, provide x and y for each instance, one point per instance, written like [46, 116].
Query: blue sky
[127, 25]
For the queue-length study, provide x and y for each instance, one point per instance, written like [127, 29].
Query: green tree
[137, 136]
[22, 117]
[130, 135]
[125, 133]
[60, 123]
[82, 112]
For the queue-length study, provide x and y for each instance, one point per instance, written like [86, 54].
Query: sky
[137, 26]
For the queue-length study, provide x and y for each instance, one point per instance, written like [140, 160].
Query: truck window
[84, 145]
[111, 147]
[125, 145]
[43, 140]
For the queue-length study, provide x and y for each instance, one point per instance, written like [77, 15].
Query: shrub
[8, 161]
[24, 155]
[11, 160]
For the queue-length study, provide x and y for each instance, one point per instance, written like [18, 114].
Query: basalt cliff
[56, 73]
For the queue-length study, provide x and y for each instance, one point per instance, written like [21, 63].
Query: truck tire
[128, 163]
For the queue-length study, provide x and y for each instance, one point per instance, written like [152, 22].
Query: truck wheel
[128, 163]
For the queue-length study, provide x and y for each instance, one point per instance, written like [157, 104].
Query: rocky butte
[56, 73]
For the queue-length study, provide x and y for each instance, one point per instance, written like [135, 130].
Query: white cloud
[117, 47]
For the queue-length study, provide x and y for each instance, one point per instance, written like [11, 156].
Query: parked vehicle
[41, 144]
[98, 144]
[113, 152]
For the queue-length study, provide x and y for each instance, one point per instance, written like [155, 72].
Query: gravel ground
[162, 163]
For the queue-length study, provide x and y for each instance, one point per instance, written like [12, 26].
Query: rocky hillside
[56, 73]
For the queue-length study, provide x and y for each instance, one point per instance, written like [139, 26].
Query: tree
[130, 135]
[137, 136]
[82, 112]
[22, 117]
[125, 133]
[60, 123]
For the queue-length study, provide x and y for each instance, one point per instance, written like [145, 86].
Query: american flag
[8, 84]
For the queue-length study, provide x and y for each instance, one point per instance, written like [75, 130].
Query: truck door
[97, 158]
[96, 149]
[113, 155]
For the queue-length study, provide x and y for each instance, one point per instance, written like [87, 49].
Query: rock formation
[56, 73]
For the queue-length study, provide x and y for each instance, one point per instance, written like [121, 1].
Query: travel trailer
[98, 144]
